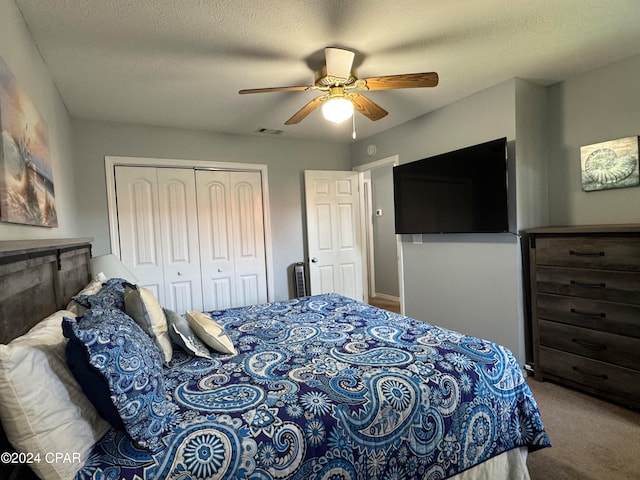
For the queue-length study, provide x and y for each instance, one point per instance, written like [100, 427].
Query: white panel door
[248, 235]
[231, 230]
[158, 230]
[333, 233]
[194, 238]
[179, 226]
[216, 244]
[139, 226]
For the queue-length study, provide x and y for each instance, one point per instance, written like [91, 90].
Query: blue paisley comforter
[329, 388]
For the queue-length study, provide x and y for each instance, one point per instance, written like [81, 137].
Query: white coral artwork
[612, 164]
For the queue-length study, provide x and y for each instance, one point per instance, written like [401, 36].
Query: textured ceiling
[180, 63]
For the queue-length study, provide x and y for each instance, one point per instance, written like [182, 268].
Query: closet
[194, 237]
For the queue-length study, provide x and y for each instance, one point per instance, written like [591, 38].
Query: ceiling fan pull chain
[353, 133]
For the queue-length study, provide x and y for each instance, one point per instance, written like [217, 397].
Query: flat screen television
[464, 191]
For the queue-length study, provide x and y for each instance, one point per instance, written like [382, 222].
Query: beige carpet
[591, 439]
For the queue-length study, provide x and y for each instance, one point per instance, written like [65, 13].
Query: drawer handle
[586, 254]
[589, 374]
[592, 346]
[589, 314]
[588, 285]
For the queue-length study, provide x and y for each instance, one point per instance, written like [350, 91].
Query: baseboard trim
[384, 296]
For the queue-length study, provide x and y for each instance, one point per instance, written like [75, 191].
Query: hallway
[391, 305]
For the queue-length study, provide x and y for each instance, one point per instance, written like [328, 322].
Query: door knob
[180, 274]
[314, 260]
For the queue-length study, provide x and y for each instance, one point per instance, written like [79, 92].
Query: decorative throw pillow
[210, 332]
[43, 408]
[141, 305]
[93, 383]
[111, 295]
[181, 333]
[129, 363]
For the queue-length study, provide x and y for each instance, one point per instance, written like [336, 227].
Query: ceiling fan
[341, 89]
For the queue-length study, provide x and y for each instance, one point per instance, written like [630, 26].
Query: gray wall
[531, 179]
[601, 105]
[384, 237]
[24, 61]
[469, 283]
[285, 159]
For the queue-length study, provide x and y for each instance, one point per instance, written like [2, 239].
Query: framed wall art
[26, 177]
[612, 164]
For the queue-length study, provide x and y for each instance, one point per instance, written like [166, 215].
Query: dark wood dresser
[585, 308]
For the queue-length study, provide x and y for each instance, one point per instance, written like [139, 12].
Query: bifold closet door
[139, 226]
[180, 248]
[231, 229]
[158, 229]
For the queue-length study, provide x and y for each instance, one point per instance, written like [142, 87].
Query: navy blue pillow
[126, 361]
[93, 384]
[111, 295]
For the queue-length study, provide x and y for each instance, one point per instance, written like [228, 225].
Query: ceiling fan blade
[339, 62]
[306, 110]
[367, 107]
[297, 88]
[407, 80]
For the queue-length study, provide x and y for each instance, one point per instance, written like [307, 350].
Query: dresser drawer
[608, 253]
[618, 318]
[619, 383]
[606, 285]
[607, 347]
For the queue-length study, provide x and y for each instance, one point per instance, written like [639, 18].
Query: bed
[321, 387]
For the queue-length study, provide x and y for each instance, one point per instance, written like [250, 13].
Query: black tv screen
[464, 191]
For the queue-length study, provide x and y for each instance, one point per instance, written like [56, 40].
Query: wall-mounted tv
[464, 191]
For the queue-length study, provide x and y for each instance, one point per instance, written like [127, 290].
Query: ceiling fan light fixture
[337, 110]
[340, 86]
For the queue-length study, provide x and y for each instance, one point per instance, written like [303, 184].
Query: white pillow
[142, 305]
[210, 332]
[43, 408]
[92, 288]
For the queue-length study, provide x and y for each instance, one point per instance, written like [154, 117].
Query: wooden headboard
[37, 278]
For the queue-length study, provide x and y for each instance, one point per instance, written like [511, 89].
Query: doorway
[383, 248]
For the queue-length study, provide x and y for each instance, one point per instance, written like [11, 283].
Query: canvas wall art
[612, 164]
[26, 177]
